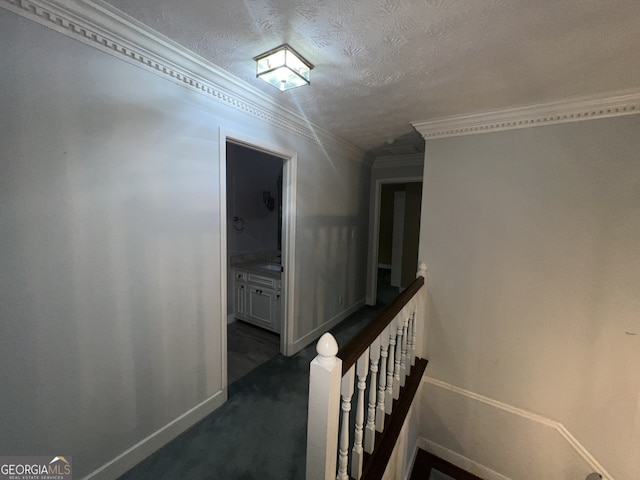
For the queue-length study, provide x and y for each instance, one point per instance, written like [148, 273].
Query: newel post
[325, 377]
[422, 270]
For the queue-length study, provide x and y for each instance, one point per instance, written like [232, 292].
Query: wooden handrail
[350, 352]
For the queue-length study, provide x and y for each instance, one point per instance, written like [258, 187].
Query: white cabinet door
[257, 300]
[240, 300]
[276, 319]
[261, 307]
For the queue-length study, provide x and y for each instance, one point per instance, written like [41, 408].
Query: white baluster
[404, 361]
[411, 348]
[384, 354]
[346, 392]
[398, 358]
[370, 428]
[325, 374]
[357, 454]
[388, 400]
[421, 309]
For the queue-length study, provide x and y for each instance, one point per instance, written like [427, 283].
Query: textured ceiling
[382, 64]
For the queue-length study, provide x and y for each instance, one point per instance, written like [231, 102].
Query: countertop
[258, 267]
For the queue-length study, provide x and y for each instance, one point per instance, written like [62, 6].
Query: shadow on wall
[333, 279]
[111, 266]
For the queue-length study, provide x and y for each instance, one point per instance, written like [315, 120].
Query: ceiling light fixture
[283, 67]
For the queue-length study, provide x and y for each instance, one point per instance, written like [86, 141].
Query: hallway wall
[532, 238]
[110, 283]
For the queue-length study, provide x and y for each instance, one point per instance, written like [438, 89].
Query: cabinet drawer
[240, 276]
[262, 281]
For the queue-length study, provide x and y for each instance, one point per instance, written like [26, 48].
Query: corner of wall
[314, 334]
[141, 450]
[497, 441]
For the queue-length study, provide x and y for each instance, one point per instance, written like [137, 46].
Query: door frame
[372, 278]
[289, 193]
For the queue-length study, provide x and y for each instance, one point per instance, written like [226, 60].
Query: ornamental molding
[572, 110]
[580, 450]
[103, 27]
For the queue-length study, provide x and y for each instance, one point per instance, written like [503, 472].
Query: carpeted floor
[429, 467]
[385, 292]
[437, 475]
[259, 433]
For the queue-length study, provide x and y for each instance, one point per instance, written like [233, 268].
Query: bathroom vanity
[257, 287]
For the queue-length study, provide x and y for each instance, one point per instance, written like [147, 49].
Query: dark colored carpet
[429, 467]
[259, 433]
[386, 293]
[438, 475]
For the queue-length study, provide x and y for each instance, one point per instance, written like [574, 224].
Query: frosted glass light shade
[283, 68]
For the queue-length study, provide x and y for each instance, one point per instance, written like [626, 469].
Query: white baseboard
[459, 460]
[141, 450]
[318, 331]
[533, 419]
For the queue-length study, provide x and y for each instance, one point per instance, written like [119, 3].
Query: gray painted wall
[110, 278]
[532, 240]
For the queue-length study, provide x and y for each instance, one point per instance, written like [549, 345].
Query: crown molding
[101, 26]
[572, 110]
[392, 161]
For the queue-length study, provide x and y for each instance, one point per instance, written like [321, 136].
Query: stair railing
[383, 355]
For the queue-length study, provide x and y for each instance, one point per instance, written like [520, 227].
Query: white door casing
[290, 167]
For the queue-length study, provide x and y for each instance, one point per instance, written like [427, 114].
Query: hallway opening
[258, 195]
